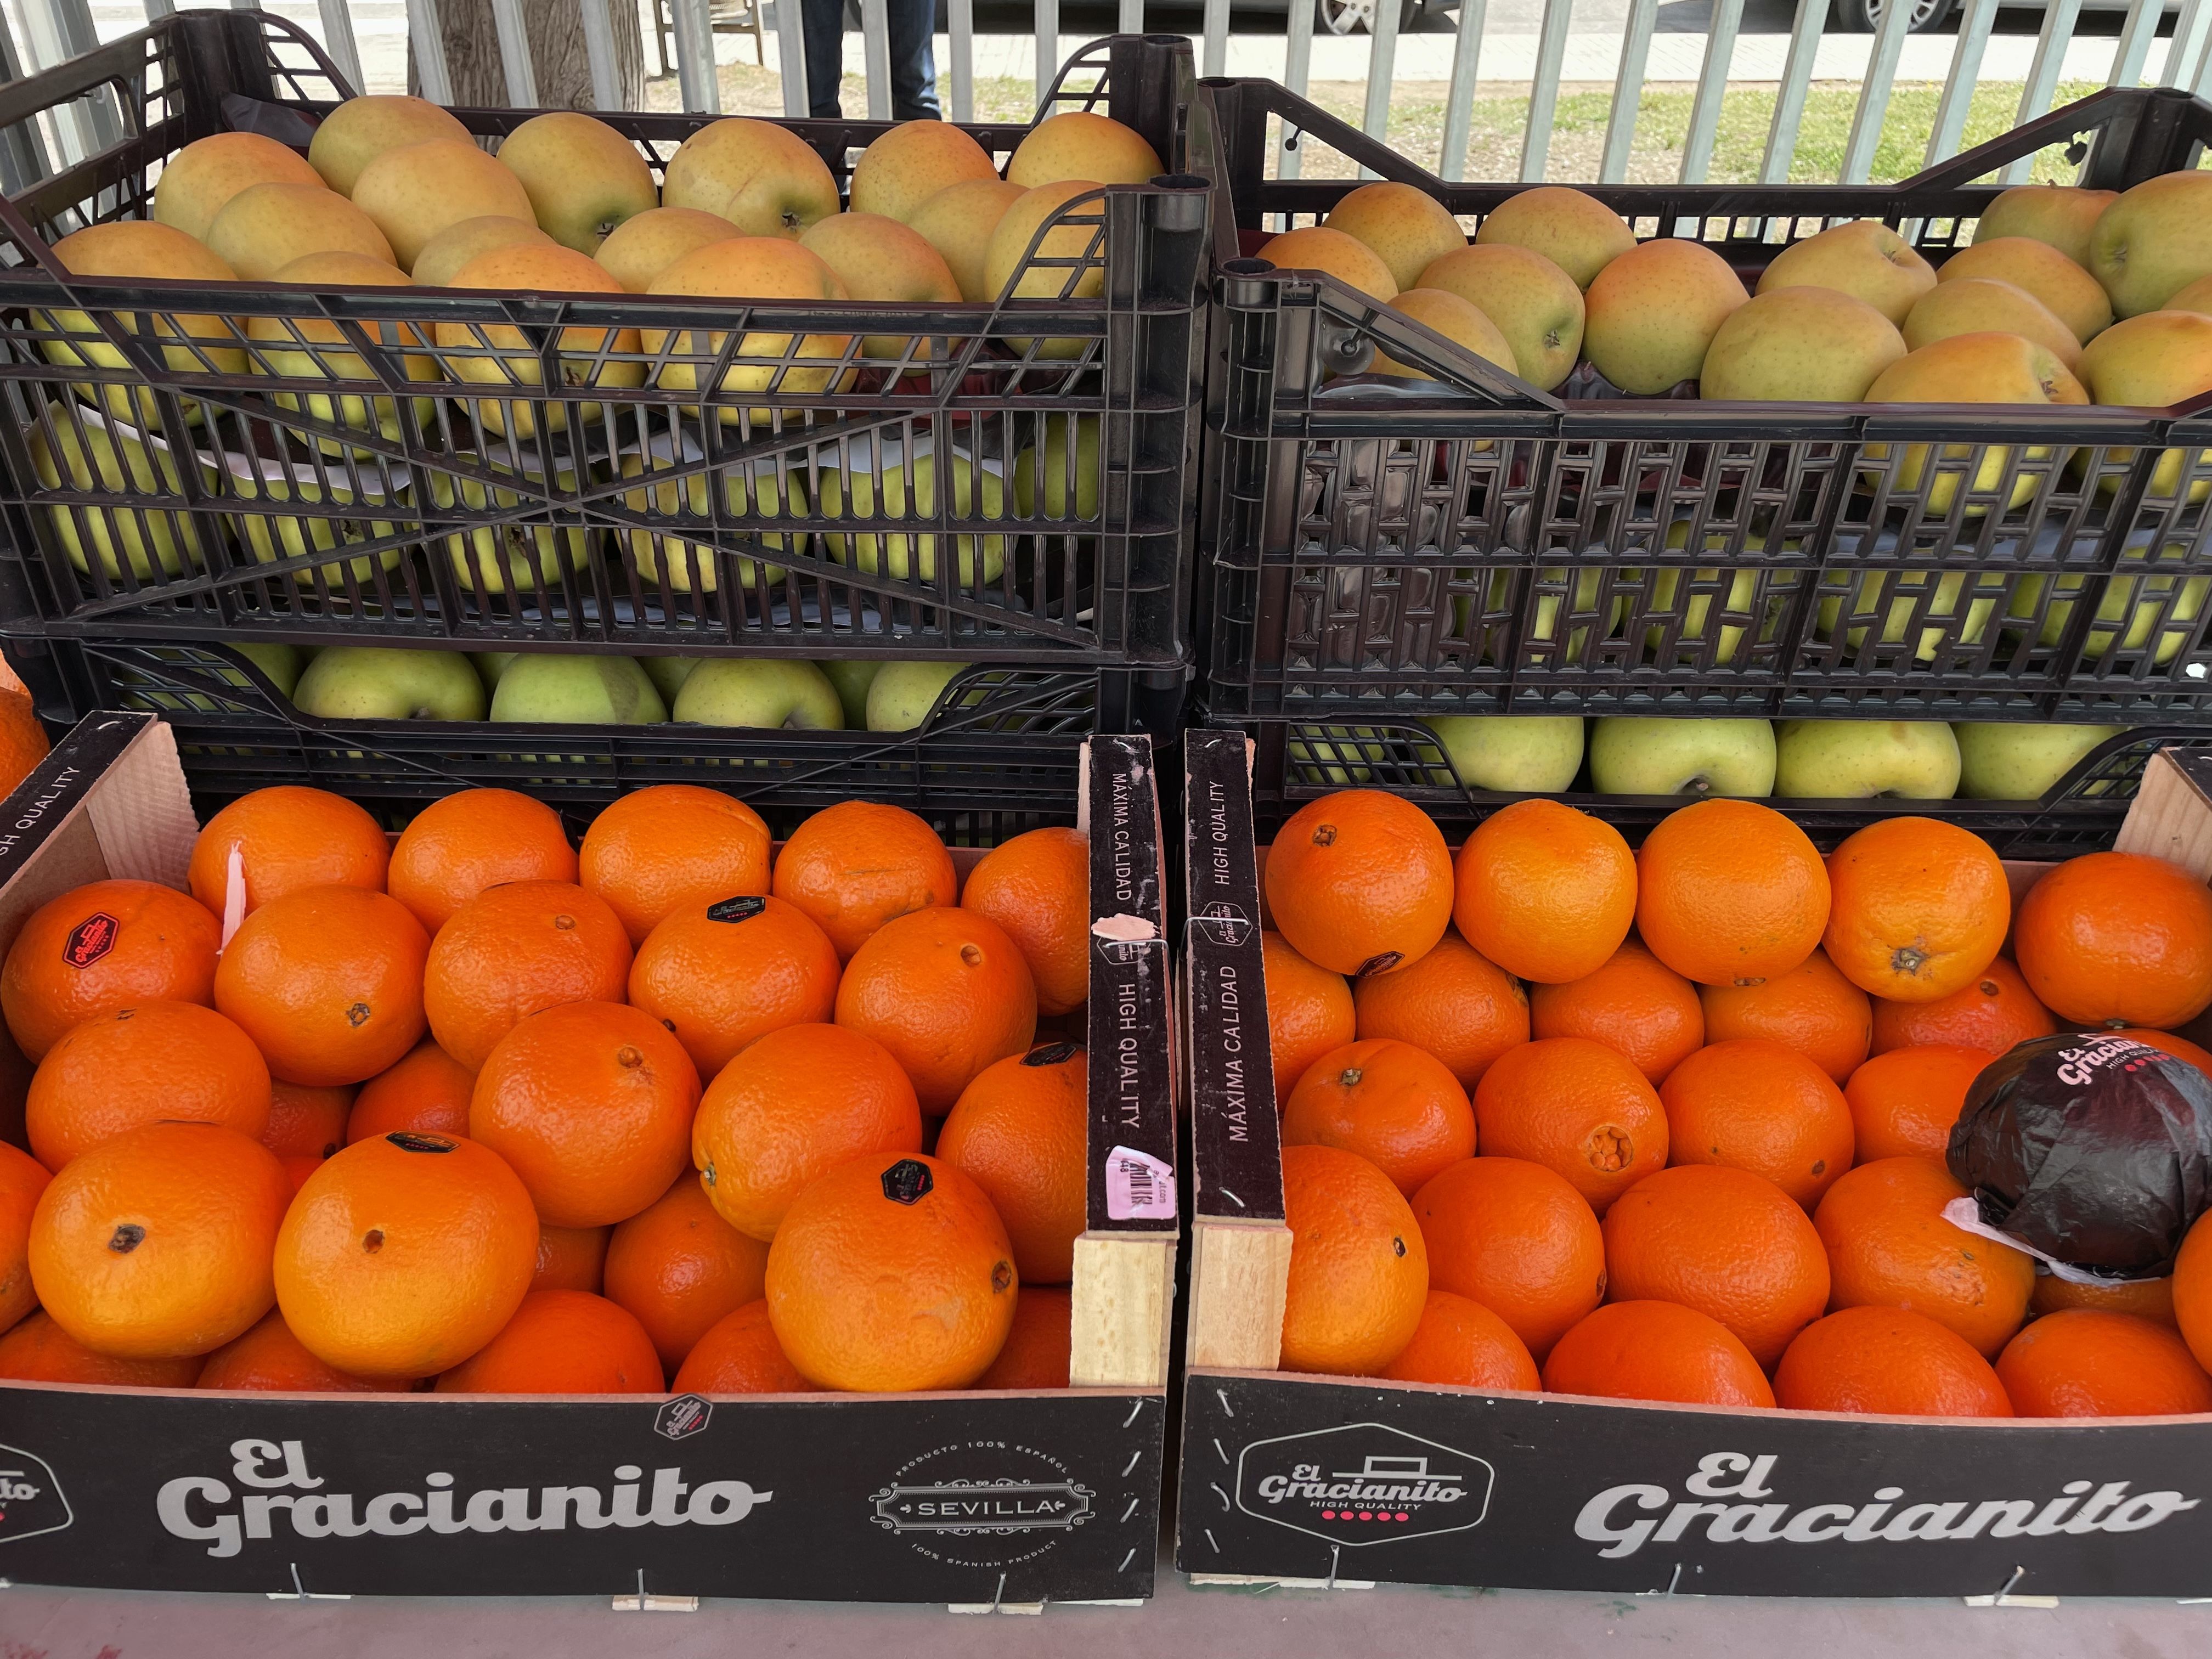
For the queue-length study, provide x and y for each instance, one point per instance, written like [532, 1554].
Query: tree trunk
[557, 47]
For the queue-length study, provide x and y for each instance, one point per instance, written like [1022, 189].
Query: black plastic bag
[2089, 1148]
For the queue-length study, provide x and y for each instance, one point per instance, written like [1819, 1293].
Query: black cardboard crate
[1473, 545]
[971, 1498]
[1337, 1481]
[416, 516]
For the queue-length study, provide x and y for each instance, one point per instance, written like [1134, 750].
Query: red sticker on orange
[90, 940]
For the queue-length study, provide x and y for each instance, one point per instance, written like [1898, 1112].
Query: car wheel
[1864, 16]
[1358, 16]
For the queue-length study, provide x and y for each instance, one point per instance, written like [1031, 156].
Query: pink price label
[1139, 1187]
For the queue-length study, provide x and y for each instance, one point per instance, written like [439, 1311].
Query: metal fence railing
[36, 35]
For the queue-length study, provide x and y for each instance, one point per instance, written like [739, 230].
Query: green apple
[1742, 597]
[1943, 608]
[102, 460]
[575, 689]
[2167, 604]
[853, 676]
[1519, 754]
[683, 566]
[1862, 760]
[1652, 754]
[770, 693]
[274, 535]
[288, 349]
[669, 673]
[1332, 754]
[903, 557]
[280, 665]
[903, 693]
[386, 683]
[2014, 760]
[1051, 465]
[1545, 625]
[525, 553]
[490, 664]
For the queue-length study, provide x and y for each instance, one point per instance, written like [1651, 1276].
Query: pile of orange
[1669, 1124]
[481, 1111]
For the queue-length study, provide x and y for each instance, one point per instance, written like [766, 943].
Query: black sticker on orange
[90, 940]
[1051, 1053]
[407, 1141]
[736, 909]
[908, 1182]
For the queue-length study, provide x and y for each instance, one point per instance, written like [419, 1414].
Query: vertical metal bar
[1873, 93]
[157, 9]
[696, 81]
[876, 54]
[790, 56]
[338, 38]
[599, 49]
[515, 62]
[22, 150]
[2135, 36]
[426, 33]
[1133, 21]
[1048, 44]
[1544, 92]
[245, 5]
[1797, 81]
[1627, 92]
[2043, 75]
[1215, 59]
[1958, 89]
[54, 32]
[2202, 78]
[961, 14]
[1382, 72]
[1297, 74]
[1712, 84]
[1459, 101]
[2181, 49]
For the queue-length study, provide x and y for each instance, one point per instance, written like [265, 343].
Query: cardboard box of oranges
[730, 1219]
[1770, 1363]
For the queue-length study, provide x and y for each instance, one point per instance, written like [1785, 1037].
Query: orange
[1752, 1104]
[681, 1269]
[1464, 1344]
[657, 850]
[1906, 1101]
[1545, 890]
[23, 1178]
[1394, 1105]
[1811, 1008]
[591, 1103]
[37, 1350]
[562, 1342]
[1918, 909]
[2118, 939]
[2180, 1048]
[155, 1244]
[297, 1166]
[472, 840]
[1634, 1004]
[23, 741]
[858, 865]
[328, 982]
[306, 1122]
[1037, 888]
[1039, 1348]
[1728, 1242]
[1887, 1362]
[1359, 1268]
[404, 1254]
[106, 946]
[1576, 1106]
[1889, 1246]
[428, 1091]
[794, 1106]
[2146, 1298]
[947, 993]
[1020, 1131]
[570, 1258]
[270, 1359]
[512, 952]
[1360, 882]
[138, 1065]
[2193, 1290]
[1310, 1011]
[1517, 1239]
[889, 1275]
[1730, 892]
[2086, 1362]
[1452, 1003]
[287, 838]
[739, 1354]
[1994, 1010]
[722, 973]
[1656, 1351]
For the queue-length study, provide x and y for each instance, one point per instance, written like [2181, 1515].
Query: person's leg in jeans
[914, 65]
[824, 22]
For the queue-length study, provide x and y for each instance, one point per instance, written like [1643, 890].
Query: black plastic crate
[1473, 546]
[998, 755]
[416, 511]
[1294, 762]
